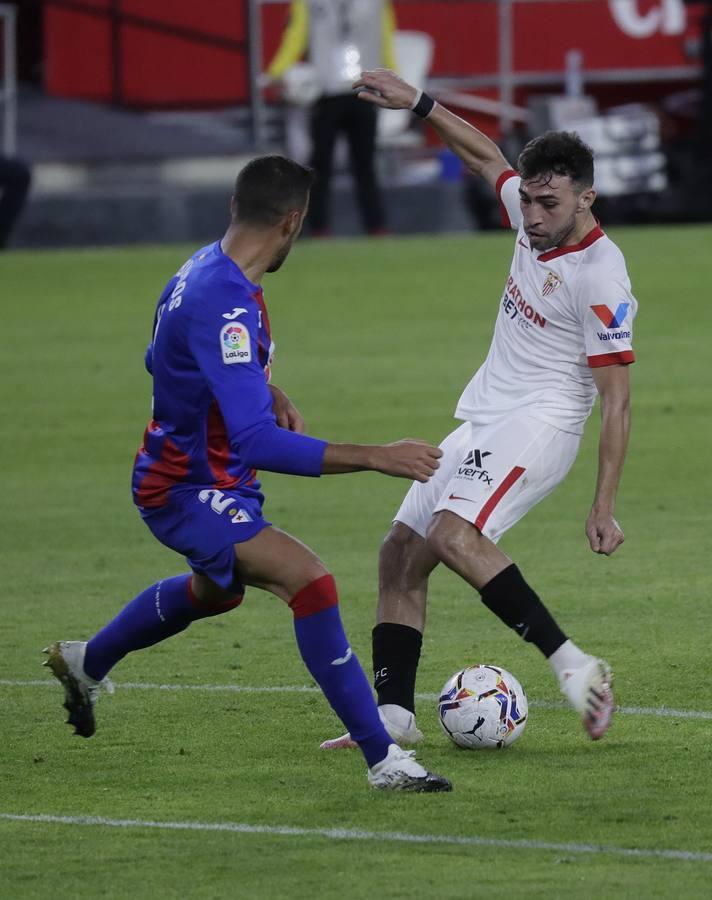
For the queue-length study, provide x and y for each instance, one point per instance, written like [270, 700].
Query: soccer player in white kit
[562, 336]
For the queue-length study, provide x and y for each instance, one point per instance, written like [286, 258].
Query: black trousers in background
[357, 120]
[14, 185]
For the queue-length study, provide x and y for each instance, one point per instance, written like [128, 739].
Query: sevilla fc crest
[551, 284]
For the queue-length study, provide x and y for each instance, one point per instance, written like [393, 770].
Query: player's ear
[585, 200]
[292, 222]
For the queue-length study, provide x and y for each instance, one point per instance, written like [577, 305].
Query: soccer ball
[483, 707]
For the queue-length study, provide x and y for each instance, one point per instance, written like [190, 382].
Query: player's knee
[397, 552]
[316, 595]
[315, 571]
[449, 538]
[296, 576]
[392, 559]
[209, 598]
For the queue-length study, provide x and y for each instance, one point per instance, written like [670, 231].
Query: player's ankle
[397, 714]
[567, 656]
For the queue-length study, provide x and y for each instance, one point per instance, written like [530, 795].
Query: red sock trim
[213, 609]
[316, 596]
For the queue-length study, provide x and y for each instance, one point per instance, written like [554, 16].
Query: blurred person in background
[14, 186]
[342, 38]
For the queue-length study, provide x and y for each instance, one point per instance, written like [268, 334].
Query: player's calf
[332, 663]
[157, 613]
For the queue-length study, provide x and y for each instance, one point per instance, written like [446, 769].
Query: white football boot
[588, 690]
[399, 771]
[398, 722]
[66, 660]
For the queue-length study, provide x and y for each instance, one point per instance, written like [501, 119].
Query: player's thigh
[550, 459]
[277, 562]
[507, 469]
[419, 503]
[204, 526]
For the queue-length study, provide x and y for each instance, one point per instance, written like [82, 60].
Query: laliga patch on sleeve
[235, 344]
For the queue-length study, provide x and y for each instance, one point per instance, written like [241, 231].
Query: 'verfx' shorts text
[492, 475]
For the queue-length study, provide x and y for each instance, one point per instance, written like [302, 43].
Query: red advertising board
[152, 54]
[612, 35]
[177, 52]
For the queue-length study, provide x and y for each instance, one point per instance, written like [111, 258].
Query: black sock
[515, 603]
[396, 652]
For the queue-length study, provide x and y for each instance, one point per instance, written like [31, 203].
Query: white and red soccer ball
[483, 707]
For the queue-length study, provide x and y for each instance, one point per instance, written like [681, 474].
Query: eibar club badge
[551, 284]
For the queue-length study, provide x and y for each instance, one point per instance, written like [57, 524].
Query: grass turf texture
[375, 341]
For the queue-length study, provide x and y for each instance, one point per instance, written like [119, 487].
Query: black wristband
[424, 106]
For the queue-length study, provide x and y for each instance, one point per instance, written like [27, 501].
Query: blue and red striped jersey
[210, 359]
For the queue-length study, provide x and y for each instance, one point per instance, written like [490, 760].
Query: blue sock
[333, 665]
[164, 609]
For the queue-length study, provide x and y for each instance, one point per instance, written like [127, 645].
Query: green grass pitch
[374, 342]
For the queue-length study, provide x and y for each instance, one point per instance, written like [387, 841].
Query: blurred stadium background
[135, 115]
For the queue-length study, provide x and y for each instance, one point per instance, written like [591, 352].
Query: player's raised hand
[409, 458]
[384, 88]
[604, 534]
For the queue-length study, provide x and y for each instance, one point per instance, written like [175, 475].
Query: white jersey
[563, 312]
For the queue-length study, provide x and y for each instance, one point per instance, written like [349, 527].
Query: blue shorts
[204, 526]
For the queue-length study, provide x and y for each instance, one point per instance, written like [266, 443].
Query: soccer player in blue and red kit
[216, 420]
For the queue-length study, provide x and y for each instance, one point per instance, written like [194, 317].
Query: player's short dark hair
[268, 188]
[557, 153]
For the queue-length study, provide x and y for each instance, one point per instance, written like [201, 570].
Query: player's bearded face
[549, 206]
[281, 255]
[283, 251]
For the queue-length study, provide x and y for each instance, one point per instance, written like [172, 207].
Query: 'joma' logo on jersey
[609, 318]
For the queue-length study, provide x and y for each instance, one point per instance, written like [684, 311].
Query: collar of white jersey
[593, 235]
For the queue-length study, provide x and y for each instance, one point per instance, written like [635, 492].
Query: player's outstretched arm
[480, 154]
[403, 459]
[604, 533]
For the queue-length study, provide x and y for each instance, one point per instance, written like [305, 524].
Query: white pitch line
[348, 834]
[149, 686]
[660, 711]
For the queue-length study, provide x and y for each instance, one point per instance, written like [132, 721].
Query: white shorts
[492, 475]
